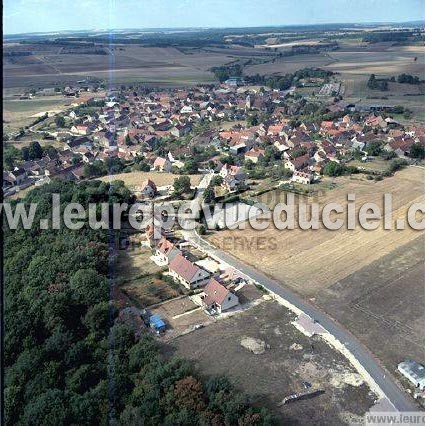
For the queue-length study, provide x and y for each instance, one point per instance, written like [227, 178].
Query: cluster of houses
[213, 287]
[145, 124]
[59, 165]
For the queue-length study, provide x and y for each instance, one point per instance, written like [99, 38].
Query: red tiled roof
[301, 161]
[215, 293]
[183, 267]
[254, 153]
[150, 183]
[165, 246]
[159, 161]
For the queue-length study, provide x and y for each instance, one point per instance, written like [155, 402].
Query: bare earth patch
[370, 281]
[279, 371]
[141, 279]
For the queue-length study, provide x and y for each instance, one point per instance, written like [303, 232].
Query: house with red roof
[154, 232]
[166, 251]
[148, 188]
[401, 146]
[187, 273]
[297, 163]
[254, 154]
[218, 298]
[80, 129]
[162, 164]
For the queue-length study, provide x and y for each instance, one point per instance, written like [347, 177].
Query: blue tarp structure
[157, 323]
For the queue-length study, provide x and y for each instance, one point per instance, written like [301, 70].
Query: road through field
[395, 395]
[399, 400]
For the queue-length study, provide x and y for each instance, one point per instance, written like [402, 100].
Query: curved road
[396, 396]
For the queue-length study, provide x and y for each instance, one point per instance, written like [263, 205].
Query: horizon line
[365, 23]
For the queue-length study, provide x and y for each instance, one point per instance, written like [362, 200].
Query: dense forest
[67, 360]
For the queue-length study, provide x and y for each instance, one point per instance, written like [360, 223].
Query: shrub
[397, 164]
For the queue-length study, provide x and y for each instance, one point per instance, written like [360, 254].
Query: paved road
[394, 394]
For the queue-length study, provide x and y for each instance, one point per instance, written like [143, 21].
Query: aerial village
[236, 130]
[235, 136]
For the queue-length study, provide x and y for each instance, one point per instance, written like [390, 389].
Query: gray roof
[413, 368]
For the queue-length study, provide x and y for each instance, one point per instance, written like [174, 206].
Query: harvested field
[20, 113]
[383, 304]
[381, 60]
[133, 63]
[17, 113]
[289, 64]
[375, 165]
[309, 261]
[354, 63]
[136, 178]
[289, 359]
[371, 281]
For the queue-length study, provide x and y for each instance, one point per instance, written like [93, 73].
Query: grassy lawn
[17, 113]
[142, 280]
[375, 165]
[33, 106]
[137, 178]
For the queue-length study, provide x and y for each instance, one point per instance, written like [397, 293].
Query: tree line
[67, 360]
[382, 83]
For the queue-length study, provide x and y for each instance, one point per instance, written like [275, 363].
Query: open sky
[22, 16]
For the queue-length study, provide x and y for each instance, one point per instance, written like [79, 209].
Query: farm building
[234, 82]
[414, 372]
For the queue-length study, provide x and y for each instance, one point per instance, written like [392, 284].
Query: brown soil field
[269, 377]
[137, 178]
[289, 64]
[310, 260]
[383, 304]
[180, 315]
[370, 281]
[132, 63]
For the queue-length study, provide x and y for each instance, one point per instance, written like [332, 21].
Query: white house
[148, 188]
[302, 177]
[166, 251]
[187, 109]
[218, 298]
[190, 275]
[80, 129]
[414, 372]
